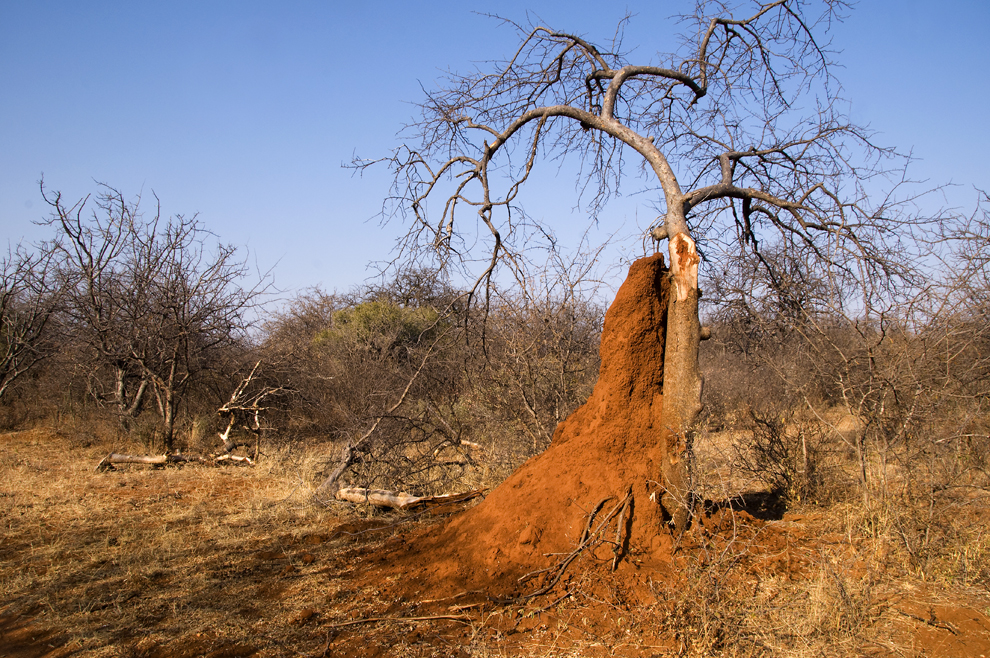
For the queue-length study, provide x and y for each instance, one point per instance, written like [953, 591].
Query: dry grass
[235, 562]
[140, 557]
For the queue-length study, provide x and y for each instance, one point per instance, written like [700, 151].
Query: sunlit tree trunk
[682, 381]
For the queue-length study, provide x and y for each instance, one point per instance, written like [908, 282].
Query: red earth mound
[608, 448]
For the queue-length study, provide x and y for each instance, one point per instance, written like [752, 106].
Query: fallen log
[106, 464]
[400, 500]
[221, 459]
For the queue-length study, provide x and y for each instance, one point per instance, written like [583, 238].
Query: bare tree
[29, 299]
[102, 311]
[739, 131]
[152, 299]
[962, 316]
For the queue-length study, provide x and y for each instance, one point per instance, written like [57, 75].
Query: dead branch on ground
[246, 410]
[106, 464]
[400, 500]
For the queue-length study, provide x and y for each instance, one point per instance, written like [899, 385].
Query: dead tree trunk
[682, 383]
[348, 456]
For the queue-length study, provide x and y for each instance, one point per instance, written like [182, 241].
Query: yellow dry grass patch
[146, 557]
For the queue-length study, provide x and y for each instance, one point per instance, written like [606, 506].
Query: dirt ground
[200, 561]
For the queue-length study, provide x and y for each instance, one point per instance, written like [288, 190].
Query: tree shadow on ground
[763, 505]
[20, 637]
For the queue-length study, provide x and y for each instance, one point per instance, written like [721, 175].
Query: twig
[538, 611]
[619, 527]
[455, 596]
[591, 518]
[945, 626]
[584, 537]
[372, 620]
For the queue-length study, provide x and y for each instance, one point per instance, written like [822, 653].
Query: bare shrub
[788, 456]
[540, 363]
[30, 297]
[379, 372]
[418, 392]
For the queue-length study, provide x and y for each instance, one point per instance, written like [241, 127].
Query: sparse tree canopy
[29, 299]
[739, 129]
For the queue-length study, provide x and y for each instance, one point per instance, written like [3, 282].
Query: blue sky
[245, 111]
